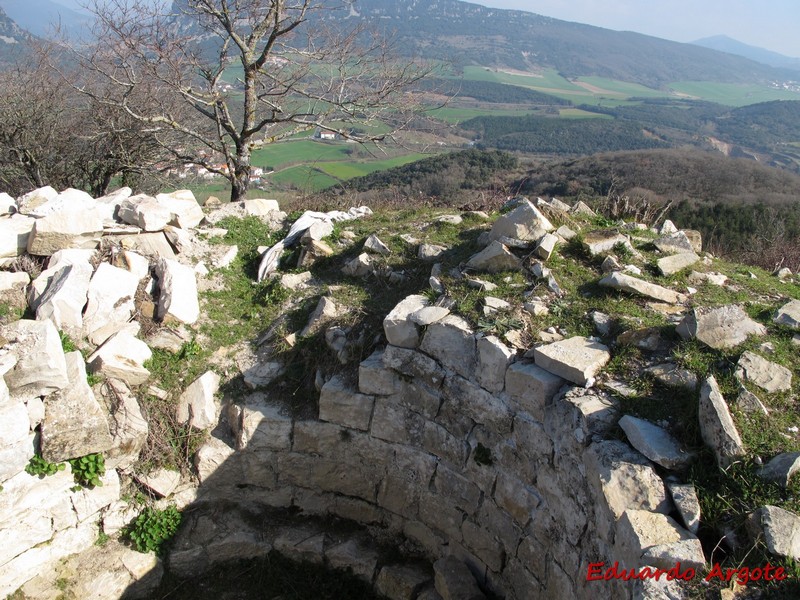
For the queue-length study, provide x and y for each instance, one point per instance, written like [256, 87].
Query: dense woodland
[489, 91]
[534, 134]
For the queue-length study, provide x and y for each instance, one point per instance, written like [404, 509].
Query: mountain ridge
[724, 43]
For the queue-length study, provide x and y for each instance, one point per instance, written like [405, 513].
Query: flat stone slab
[655, 443]
[672, 375]
[597, 242]
[675, 243]
[789, 315]
[74, 424]
[633, 285]
[669, 265]
[779, 528]
[716, 424]
[494, 258]
[781, 468]
[684, 496]
[719, 328]
[577, 359]
[769, 376]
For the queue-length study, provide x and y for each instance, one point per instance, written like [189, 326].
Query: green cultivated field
[731, 94]
[622, 89]
[454, 114]
[302, 151]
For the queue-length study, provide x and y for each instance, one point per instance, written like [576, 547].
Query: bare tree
[233, 75]
[52, 135]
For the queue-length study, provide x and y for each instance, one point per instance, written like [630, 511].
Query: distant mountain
[723, 43]
[41, 17]
[473, 34]
[12, 38]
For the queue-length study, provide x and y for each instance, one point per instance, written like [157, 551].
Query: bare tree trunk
[240, 179]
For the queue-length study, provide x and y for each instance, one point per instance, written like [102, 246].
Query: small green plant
[87, 470]
[189, 349]
[93, 379]
[623, 251]
[41, 468]
[153, 527]
[482, 456]
[102, 538]
[66, 342]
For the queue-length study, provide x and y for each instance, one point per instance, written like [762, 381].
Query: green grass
[281, 154]
[731, 94]
[623, 89]
[305, 178]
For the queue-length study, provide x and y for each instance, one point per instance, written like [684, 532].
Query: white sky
[770, 24]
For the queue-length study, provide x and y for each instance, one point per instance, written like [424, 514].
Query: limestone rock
[360, 266]
[669, 265]
[767, 375]
[454, 581]
[353, 555]
[493, 360]
[122, 356]
[74, 423]
[197, 405]
[749, 402]
[10, 281]
[719, 328]
[667, 228]
[183, 209]
[581, 208]
[401, 582]
[211, 457]
[127, 425]
[697, 278]
[8, 205]
[430, 252]
[258, 207]
[64, 298]
[14, 235]
[633, 285]
[177, 292]
[781, 468]
[716, 425]
[414, 364]
[788, 314]
[695, 239]
[182, 240]
[674, 244]
[525, 223]
[374, 244]
[295, 281]
[492, 305]
[162, 482]
[597, 242]
[35, 198]
[110, 302]
[648, 339]
[40, 367]
[65, 229]
[451, 342]
[671, 375]
[340, 404]
[565, 233]
[374, 378]
[652, 539]
[546, 246]
[655, 443]
[684, 496]
[531, 387]
[577, 359]
[398, 326]
[261, 425]
[145, 212]
[779, 528]
[494, 258]
[153, 245]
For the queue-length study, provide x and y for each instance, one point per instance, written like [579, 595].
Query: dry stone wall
[501, 464]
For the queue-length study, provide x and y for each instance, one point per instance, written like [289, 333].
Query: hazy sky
[771, 24]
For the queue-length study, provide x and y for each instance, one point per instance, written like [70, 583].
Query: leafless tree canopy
[52, 135]
[232, 75]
